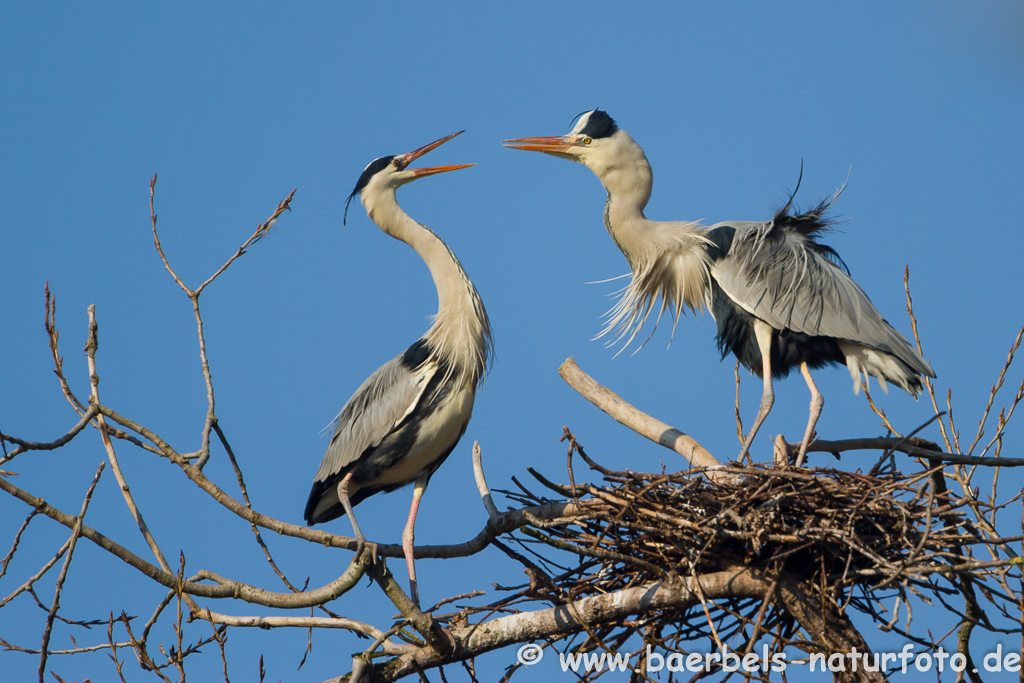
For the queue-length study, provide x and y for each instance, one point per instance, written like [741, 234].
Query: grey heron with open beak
[408, 416]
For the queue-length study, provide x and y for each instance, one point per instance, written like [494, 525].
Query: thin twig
[995, 390]
[52, 336]
[30, 582]
[55, 605]
[15, 543]
[910, 447]
[23, 446]
[917, 340]
[193, 295]
[90, 350]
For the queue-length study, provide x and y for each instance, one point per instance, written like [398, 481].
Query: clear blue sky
[918, 106]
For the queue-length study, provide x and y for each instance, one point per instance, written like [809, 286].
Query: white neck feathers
[667, 259]
[461, 332]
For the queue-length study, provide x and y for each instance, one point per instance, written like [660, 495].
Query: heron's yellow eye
[397, 162]
[587, 141]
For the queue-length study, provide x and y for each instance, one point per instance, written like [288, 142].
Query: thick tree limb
[640, 422]
[594, 611]
[831, 630]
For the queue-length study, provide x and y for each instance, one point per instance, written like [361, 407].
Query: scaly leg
[817, 401]
[345, 503]
[409, 535]
[764, 333]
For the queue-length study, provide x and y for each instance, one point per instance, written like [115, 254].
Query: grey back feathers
[376, 408]
[776, 272]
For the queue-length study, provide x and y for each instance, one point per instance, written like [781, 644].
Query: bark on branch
[640, 422]
[592, 611]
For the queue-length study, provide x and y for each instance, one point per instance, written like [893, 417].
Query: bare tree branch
[55, 605]
[193, 295]
[641, 423]
[481, 483]
[915, 447]
[556, 621]
[94, 379]
[23, 446]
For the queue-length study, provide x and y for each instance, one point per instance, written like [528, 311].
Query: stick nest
[830, 528]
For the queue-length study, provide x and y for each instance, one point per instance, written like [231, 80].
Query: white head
[383, 176]
[598, 143]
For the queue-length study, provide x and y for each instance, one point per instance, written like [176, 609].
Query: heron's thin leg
[409, 535]
[345, 503]
[764, 333]
[817, 401]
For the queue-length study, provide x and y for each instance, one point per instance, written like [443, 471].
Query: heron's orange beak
[420, 172]
[416, 154]
[554, 144]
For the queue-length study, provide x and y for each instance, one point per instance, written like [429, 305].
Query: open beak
[420, 172]
[554, 144]
[417, 153]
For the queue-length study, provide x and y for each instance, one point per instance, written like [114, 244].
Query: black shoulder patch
[372, 169]
[416, 355]
[721, 241]
[599, 125]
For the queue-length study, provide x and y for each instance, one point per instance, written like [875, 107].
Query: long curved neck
[667, 258]
[461, 331]
[626, 175]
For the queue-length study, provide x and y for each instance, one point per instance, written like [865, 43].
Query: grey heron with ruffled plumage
[781, 299]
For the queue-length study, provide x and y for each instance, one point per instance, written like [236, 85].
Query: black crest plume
[599, 125]
[372, 169]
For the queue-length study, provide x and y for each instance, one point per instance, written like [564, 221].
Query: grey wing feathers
[790, 286]
[376, 408]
